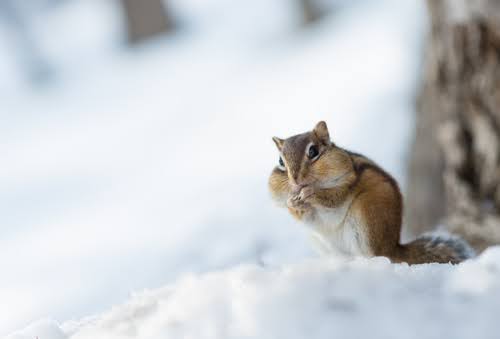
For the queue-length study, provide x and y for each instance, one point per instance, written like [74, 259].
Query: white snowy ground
[314, 299]
[135, 168]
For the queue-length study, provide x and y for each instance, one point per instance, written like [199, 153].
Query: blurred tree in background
[311, 11]
[142, 19]
[455, 164]
[146, 19]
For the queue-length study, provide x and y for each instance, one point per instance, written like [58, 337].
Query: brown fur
[338, 178]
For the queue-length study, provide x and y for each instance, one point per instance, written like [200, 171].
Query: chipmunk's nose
[292, 176]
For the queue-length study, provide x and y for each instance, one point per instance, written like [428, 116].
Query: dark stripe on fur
[359, 168]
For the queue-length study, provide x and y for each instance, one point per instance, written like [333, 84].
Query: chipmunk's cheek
[320, 173]
[321, 168]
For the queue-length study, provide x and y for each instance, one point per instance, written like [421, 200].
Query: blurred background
[135, 136]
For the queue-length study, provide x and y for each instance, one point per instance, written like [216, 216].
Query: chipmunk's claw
[306, 192]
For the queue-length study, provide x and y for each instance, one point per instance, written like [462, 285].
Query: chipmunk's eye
[282, 163]
[312, 152]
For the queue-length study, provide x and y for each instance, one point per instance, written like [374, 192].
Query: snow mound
[314, 299]
[44, 328]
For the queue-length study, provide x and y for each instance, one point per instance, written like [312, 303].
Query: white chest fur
[338, 231]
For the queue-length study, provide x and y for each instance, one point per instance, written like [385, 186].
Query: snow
[315, 298]
[133, 168]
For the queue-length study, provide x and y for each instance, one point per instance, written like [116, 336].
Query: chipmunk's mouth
[296, 188]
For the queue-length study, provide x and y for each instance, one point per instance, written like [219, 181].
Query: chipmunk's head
[308, 159]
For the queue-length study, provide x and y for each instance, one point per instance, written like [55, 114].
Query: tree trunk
[311, 11]
[145, 19]
[455, 167]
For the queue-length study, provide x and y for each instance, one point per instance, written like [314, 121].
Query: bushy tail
[480, 235]
[439, 248]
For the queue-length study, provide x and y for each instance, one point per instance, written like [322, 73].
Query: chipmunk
[351, 204]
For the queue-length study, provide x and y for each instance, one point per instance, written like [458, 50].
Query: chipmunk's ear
[321, 132]
[279, 142]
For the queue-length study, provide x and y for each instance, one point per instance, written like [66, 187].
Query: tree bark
[145, 19]
[311, 11]
[454, 174]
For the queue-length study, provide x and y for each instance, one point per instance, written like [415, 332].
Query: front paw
[296, 202]
[299, 202]
[306, 193]
[301, 198]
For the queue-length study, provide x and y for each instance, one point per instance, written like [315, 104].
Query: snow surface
[133, 168]
[314, 299]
